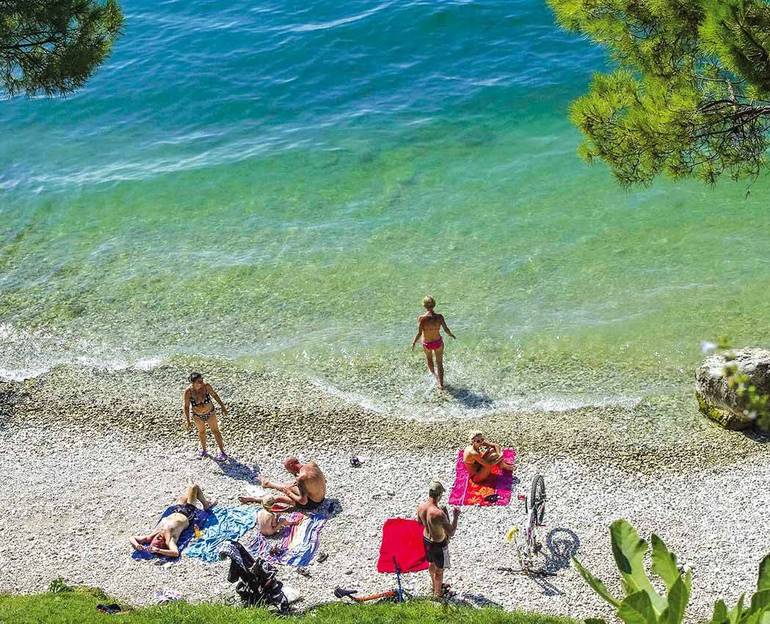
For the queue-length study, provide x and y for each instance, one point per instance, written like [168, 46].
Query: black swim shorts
[310, 505]
[437, 553]
[186, 509]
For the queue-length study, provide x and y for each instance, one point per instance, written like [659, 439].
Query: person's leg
[440, 366]
[200, 425]
[214, 426]
[479, 473]
[438, 581]
[429, 360]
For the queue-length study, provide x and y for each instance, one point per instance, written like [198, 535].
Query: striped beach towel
[500, 482]
[296, 545]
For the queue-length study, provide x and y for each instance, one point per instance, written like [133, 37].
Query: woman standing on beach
[429, 326]
[198, 397]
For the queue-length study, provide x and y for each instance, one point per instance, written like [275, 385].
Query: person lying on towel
[164, 537]
[480, 456]
[306, 493]
[270, 520]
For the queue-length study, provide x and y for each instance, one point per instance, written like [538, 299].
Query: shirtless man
[305, 493]
[437, 531]
[429, 326]
[164, 538]
[480, 456]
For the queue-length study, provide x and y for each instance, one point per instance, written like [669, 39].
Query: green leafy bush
[642, 604]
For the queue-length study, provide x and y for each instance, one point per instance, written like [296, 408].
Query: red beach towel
[500, 482]
[401, 543]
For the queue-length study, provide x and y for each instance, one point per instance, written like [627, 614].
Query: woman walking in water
[198, 397]
[429, 326]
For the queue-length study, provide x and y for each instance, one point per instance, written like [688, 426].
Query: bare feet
[209, 504]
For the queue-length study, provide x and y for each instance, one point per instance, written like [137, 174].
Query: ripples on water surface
[279, 184]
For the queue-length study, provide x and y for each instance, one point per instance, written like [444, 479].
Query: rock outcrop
[718, 393]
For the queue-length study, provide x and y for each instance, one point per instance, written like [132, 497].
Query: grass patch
[79, 607]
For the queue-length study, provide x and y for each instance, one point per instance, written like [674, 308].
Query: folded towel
[500, 482]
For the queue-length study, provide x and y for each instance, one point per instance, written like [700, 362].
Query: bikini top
[194, 403]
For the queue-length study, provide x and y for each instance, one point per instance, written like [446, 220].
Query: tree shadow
[468, 398]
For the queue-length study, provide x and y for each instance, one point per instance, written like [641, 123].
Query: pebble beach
[90, 457]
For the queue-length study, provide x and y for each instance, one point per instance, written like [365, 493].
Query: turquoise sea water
[280, 183]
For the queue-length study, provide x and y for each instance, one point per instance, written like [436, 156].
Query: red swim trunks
[433, 344]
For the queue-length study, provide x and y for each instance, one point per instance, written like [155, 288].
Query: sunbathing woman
[429, 326]
[198, 397]
[164, 538]
[481, 456]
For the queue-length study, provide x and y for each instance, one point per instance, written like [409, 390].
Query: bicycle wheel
[537, 498]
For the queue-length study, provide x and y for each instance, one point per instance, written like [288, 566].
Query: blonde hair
[268, 502]
[473, 434]
[428, 302]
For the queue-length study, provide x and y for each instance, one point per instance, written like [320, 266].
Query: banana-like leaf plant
[642, 604]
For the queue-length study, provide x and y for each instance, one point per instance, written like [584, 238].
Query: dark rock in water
[724, 393]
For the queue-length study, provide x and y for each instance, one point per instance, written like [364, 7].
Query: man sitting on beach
[164, 538]
[269, 519]
[437, 531]
[305, 493]
[481, 456]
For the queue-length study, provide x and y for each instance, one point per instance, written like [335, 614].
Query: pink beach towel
[402, 544]
[500, 482]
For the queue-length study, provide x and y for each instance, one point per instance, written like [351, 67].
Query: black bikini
[206, 400]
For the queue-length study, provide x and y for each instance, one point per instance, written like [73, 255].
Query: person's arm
[446, 327]
[171, 551]
[138, 541]
[419, 332]
[214, 394]
[186, 407]
[451, 527]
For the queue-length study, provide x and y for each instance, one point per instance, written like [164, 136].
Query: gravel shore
[90, 457]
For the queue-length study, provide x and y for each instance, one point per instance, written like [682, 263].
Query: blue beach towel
[215, 527]
[187, 535]
[220, 525]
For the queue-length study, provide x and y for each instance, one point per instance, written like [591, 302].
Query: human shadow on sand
[469, 398]
[239, 471]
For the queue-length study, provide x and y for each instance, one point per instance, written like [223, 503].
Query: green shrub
[642, 604]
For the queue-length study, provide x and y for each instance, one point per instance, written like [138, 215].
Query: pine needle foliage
[52, 47]
[689, 95]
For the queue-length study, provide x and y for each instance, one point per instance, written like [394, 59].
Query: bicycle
[527, 539]
[395, 595]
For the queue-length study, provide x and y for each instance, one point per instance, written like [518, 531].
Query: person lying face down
[164, 538]
[305, 493]
[269, 518]
[480, 456]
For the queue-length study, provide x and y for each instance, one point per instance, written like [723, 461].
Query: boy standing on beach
[429, 326]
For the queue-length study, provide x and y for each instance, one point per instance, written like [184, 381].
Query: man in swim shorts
[164, 538]
[306, 493]
[480, 456]
[436, 534]
[429, 326]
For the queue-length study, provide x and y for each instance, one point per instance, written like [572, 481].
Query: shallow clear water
[280, 184]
